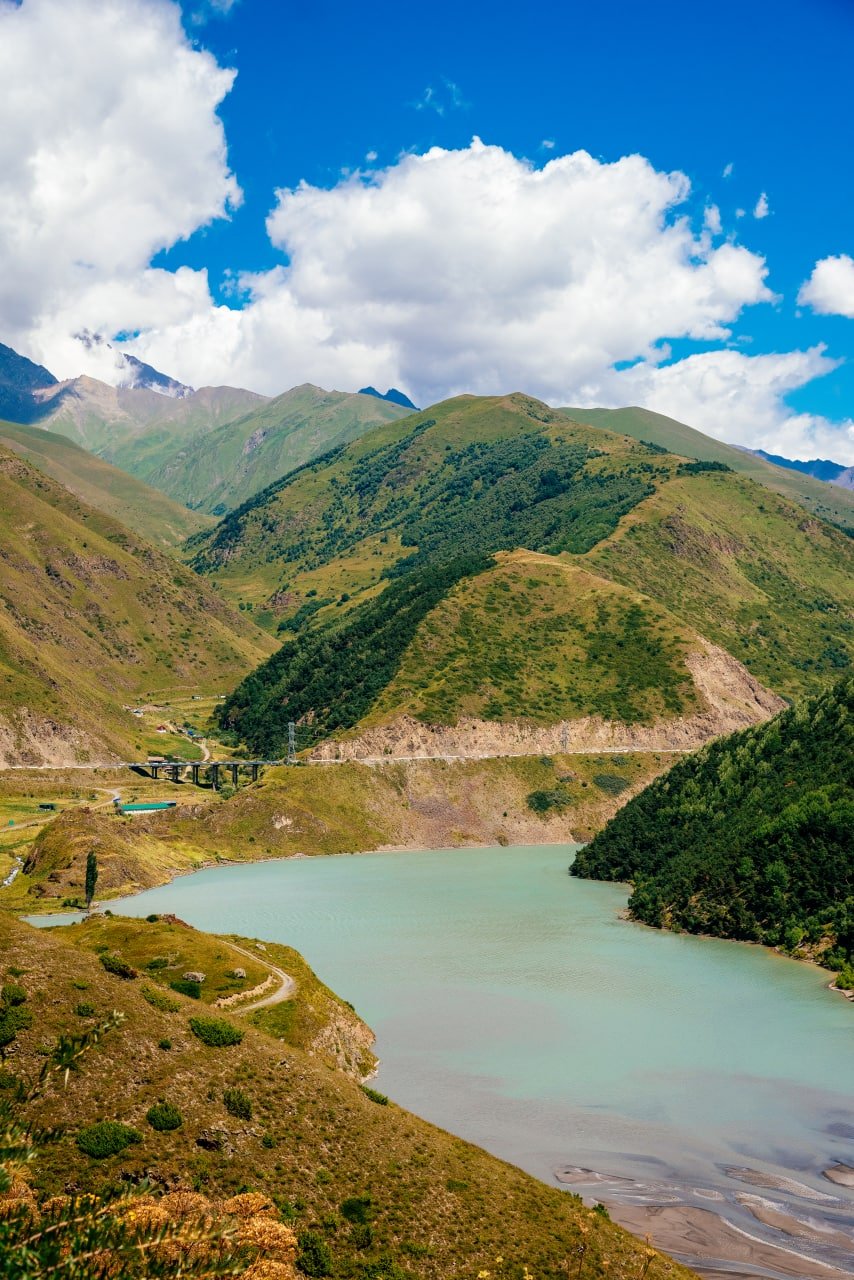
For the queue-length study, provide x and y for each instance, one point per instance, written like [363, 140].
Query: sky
[609, 205]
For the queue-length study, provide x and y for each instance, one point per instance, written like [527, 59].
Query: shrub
[13, 994]
[314, 1258]
[357, 1209]
[215, 1032]
[845, 978]
[610, 783]
[153, 918]
[164, 1116]
[157, 962]
[237, 1104]
[85, 1010]
[106, 1138]
[165, 1043]
[375, 1096]
[186, 988]
[158, 1000]
[121, 969]
[542, 801]
[268, 1141]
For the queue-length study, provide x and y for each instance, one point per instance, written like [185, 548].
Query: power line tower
[292, 742]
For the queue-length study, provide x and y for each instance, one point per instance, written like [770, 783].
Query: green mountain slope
[103, 418]
[218, 467]
[676, 437]
[348, 555]
[371, 1191]
[91, 617]
[522, 654]
[143, 509]
[750, 570]
[751, 838]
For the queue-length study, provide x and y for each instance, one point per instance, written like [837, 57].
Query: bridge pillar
[234, 769]
[194, 769]
[155, 771]
[255, 767]
[214, 771]
[174, 772]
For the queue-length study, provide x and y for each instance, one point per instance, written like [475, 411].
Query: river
[514, 1006]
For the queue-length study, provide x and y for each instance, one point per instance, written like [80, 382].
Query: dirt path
[286, 991]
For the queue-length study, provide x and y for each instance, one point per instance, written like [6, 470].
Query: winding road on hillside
[287, 989]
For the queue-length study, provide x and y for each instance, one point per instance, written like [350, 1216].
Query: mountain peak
[133, 374]
[19, 379]
[392, 395]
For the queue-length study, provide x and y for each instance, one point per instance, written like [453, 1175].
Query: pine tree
[91, 876]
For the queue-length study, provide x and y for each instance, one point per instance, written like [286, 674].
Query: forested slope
[751, 838]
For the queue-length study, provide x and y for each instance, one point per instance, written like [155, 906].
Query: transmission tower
[292, 742]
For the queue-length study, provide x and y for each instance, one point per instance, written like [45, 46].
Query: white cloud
[761, 209]
[472, 270]
[728, 168]
[737, 398]
[116, 152]
[548, 144]
[830, 288]
[712, 219]
[467, 270]
[370, 156]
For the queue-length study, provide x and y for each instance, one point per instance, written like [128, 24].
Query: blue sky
[741, 99]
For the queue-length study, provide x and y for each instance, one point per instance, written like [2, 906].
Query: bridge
[173, 770]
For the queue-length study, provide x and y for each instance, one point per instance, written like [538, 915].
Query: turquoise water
[513, 1006]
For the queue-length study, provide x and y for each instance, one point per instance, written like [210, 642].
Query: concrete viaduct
[174, 769]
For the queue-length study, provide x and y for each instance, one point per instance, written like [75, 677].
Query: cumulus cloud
[761, 209]
[116, 152]
[727, 170]
[472, 270]
[455, 270]
[830, 288]
[737, 398]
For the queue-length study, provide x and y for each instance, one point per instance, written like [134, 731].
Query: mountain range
[821, 468]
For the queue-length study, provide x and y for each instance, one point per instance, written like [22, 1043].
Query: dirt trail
[287, 990]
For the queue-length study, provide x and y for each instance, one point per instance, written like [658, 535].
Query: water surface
[513, 1006]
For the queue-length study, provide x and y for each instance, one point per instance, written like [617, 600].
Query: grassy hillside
[537, 639]
[751, 838]
[91, 617]
[144, 510]
[323, 809]
[466, 477]
[220, 465]
[103, 418]
[748, 569]
[356, 553]
[676, 437]
[372, 1192]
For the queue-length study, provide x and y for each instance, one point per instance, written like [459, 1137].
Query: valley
[495, 630]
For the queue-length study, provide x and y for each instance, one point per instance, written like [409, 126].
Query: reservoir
[513, 1006]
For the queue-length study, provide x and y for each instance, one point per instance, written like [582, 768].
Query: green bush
[13, 994]
[165, 1043]
[845, 978]
[85, 1010]
[215, 1032]
[164, 1116]
[314, 1258]
[158, 1000]
[375, 1096]
[185, 987]
[157, 962]
[106, 1138]
[543, 801]
[121, 969]
[357, 1209]
[611, 783]
[237, 1104]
